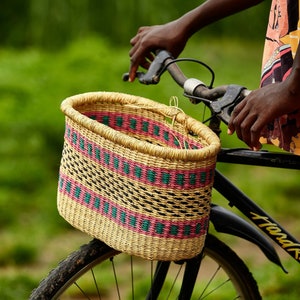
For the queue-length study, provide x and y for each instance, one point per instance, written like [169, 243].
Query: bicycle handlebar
[221, 100]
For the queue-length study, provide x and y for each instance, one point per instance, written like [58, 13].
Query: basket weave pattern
[134, 180]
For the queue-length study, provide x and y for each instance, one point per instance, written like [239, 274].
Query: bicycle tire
[96, 253]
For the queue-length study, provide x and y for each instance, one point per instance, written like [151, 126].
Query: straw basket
[136, 174]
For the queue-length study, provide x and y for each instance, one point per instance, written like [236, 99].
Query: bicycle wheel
[96, 271]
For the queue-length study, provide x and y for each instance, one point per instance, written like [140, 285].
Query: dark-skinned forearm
[211, 11]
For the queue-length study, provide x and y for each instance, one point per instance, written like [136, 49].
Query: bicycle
[217, 272]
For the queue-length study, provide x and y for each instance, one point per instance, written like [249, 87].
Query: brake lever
[224, 107]
[152, 76]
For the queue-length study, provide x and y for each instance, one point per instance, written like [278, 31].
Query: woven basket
[136, 174]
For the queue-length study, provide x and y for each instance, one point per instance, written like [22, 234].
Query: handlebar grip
[152, 76]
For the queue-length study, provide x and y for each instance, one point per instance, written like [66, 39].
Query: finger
[138, 57]
[135, 63]
[139, 35]
[255, 133]
[230, 129]
[143, 28]
[134, 40]
[234, 117]
[132, 72]
[135, 53]
[241, 122]
[245, 129]
[134, 49]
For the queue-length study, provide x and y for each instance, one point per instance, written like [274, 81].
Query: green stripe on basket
[114, 212]
[156, 130]
[203, 177]
[105, 120]
[74, 138]
[198, 228]
[68, 187]
[145, 225]
[138, 172]
[151, 176]
[159, 228]
[174, 230]
[166, 135]
[180, 179]
[97, 153]
[77, 192]
[106, 158]
[97, 202]
[141, 124]
[81, 144]
[126, 168]
[165, 178]
[132, 221]
[133, 123]
[90, 149]
[176, 142]
[123, 217]
[87, 198]
[187, 230]
[106, 207]
[192, 178]
[145, 126]
[119, 121]
[116, 163]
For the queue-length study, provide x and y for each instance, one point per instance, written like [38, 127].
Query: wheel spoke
[82, 291]
[96, 284]
[132, 278]
[115, 275]
[174, 281]
[203, 296]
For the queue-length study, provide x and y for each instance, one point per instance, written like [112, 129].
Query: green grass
[32, 85]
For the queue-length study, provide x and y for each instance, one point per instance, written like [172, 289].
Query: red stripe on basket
[141, 125]
[159, 177]
[128, 219]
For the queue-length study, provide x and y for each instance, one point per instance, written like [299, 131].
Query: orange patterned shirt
[281, 44]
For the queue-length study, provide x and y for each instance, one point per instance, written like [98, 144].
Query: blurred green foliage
[53, 23]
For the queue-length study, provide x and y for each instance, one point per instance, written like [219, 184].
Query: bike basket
[136, 174]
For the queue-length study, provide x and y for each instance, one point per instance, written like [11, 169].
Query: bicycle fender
[225, 221]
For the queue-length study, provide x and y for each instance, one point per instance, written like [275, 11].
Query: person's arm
[264, 105]
[174, 35]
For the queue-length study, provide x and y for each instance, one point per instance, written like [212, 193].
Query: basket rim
[209, 151]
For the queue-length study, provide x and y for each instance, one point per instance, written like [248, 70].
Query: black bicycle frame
[243, 203]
